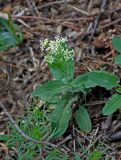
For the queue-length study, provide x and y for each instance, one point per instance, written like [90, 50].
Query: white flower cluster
[58, 50]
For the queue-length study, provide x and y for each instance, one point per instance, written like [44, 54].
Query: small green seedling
[64, 90]
[10, 34]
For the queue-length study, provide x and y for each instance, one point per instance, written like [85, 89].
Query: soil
[89, 26]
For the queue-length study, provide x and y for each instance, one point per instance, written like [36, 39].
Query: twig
[64, 140]
[51, 3]
[32, 7]
[93, 143]
[33, 57]
[23, 133]
[96, 22]
[51, 20]
[90, 6]
[79, 10]
[110, 24]
[22, 22]
[12, 65]
[95, 103]
[94, 139]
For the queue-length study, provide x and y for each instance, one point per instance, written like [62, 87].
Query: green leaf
[103, 79]
[96, 155]
[10, 34]
[118, 90]
[112, 105]
[5, 137]
[93, 79]
[56, 155]
[116, 42]
[82, 82]
[61, 115]
[83, 119]
[63, 71]
[118, 59]
[48, 90]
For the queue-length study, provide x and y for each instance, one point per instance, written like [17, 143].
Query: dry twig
[52, 3]
[79, 10]
[96, 22]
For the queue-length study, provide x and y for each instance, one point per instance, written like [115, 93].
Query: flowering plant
[60, 58]
[64, 90]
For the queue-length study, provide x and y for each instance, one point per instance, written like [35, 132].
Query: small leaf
[48, 90]
[61, 115]
[112, 105]
[118, 90]
[83, 119]
[118, 59]
[116, 42]
[96, 155]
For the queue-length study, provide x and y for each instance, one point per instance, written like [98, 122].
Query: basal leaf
[118, 59]
[116, 42]
[61, 115]
[48, 90]
[83, 119]
[112, 105]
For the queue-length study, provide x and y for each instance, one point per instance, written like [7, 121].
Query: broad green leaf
[118, 59]
[116, 42]
[48, 90]
[63, 71]
[83, 119]
[103, 79]
[82, 82]
[93, 79]
[112, 105]
[61, 115]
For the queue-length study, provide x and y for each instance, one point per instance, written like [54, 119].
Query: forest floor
[89, 26]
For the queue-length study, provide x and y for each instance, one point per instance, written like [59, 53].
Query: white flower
[58, 50]
[44, 44]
